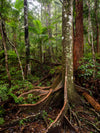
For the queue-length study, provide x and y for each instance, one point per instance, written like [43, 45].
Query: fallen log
[89, 98]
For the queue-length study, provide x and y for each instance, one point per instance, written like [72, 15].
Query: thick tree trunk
[67, 43]
[5, 51]
[78, 39]
[28, 71]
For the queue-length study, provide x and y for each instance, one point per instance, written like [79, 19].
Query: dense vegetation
[49, 63]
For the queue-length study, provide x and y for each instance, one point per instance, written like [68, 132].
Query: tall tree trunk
[78, 39]
[49, 31]
[90, 37]
[5, 51]
[26, 38]
[67, 43]
[97, 25]
[56, 30]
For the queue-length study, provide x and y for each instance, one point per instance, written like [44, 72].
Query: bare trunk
[49, 31]
[5, 51]
[78, 39]
[67, 43]
[90, 37]
[97, 25]
[28, 70]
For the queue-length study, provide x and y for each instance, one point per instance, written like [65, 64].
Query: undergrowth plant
[87, 68]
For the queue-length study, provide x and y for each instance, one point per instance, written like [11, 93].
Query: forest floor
[83, 118]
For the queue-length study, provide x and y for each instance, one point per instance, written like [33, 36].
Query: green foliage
[1, 120]
[3, 92]
[19, 4]
[44, 114]
[50, 120]
[32, 99]
[2, 111]
[16, 99]
[21, 122]
[87, 68]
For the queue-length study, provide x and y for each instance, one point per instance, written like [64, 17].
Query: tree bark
[97, 25]
[28, 69]
[90, 37]
[78, 37]
[5, 51]
[67, 43]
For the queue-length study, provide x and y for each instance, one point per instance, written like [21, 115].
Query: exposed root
[31, 91]
[70, 124]
[97, 114]
[43, 100]
[75, 115]
[57, 121]
[90, 123]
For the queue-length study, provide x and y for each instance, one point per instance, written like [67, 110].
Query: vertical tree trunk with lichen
[67, 43]
[26, 38]
[78, 37]
[70, 95]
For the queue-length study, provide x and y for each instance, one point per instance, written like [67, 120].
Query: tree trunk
[5, 51]
[97, 25]
[67, 43]
[28, 70]
[78, 39]
[90, 37]
[49, 30]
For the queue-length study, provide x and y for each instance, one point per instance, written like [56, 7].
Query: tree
[5, 49]
[70, 96]
[97, 24]
[26, 37]
[78, 35]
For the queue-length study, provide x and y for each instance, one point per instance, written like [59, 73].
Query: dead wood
[92, 101]
[89, 98]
